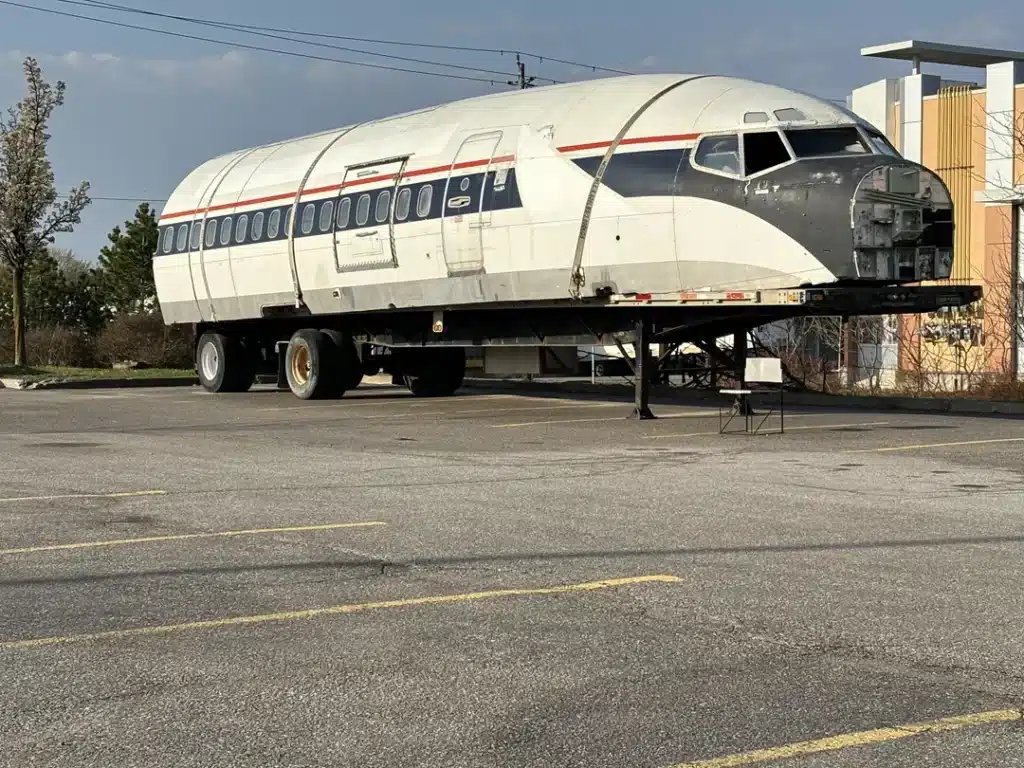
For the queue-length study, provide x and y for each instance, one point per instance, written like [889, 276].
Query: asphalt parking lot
[503, 580]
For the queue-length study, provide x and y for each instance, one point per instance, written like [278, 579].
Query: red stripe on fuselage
[628, 142]
[420, 172]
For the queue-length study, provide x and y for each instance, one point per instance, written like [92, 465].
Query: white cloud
[219, 71]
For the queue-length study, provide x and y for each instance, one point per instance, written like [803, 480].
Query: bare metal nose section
[902, 225]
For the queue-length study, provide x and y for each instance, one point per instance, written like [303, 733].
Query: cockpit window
[719, 153]
[881, 144]
[763, 150]
[789, 114]
[818, 142]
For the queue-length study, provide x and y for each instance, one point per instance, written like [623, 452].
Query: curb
[952, 405]
[26, 384]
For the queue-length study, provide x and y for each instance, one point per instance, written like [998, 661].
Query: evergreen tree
[125, 274]
[30, 215]
[60, 291]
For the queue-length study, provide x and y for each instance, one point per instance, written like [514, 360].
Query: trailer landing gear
[644, 371]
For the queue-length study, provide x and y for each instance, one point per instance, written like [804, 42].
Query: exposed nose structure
[902, 225]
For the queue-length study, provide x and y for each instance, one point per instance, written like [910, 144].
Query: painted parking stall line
[185, 537]
[312, 613]
[65, 496]
[857, 739]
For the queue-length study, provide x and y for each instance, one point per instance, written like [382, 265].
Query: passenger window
[182, 237]
[383, 206]
[762, 151]
[287, 231]
[719, 153]
[225, 230]
[241, 228]
[327, 216]
[274, 223]
[168, 239]
[257, 226]
[196, 239]
[344, 210]
[819, 142]
[211, 232]
[362, 210]
[402, 204]
[423, 200]
[308, 213]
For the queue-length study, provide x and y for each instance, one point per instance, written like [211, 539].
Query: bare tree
[30, 215]
[1002, 313]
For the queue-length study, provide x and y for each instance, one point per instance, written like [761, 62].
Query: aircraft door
[364, 216]
[463, 219]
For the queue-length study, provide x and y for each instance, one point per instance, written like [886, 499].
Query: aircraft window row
[786, 115]
[321, 214]
[763, 150]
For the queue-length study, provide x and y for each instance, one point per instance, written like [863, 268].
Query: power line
[246, 29]
[121, 199]
[314, 57]
[373, 41]
[523, 81]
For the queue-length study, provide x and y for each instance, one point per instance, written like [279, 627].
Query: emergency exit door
[464, 223]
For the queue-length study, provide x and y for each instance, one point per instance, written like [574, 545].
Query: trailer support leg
[644, 370]
[739, 348]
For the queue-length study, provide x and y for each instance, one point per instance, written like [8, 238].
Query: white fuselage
[479, 202]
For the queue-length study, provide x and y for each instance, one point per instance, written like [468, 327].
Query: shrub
[144, 339]
[50, 345]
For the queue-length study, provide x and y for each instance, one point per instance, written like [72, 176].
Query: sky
[143, 109]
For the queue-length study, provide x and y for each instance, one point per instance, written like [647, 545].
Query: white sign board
[765, 370]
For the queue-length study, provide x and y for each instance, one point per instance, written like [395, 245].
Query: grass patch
[37, 372]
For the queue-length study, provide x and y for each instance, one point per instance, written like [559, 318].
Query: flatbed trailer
[400, 342]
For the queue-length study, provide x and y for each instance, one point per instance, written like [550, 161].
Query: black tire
[350, 367]
[442, 379]
[311, 365]
[223, 364]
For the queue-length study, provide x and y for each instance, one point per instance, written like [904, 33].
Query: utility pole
[523, 81]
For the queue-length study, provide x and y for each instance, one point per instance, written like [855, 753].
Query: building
[972, 134]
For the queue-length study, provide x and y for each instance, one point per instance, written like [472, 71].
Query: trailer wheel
[349, 366]
[311, 365]
[443, 378]
[223, 364]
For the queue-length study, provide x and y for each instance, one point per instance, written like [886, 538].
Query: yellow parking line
[58, 497]
[858, 739]
[788, 429]
[183, 536]
[333, 610]
[937, 445]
